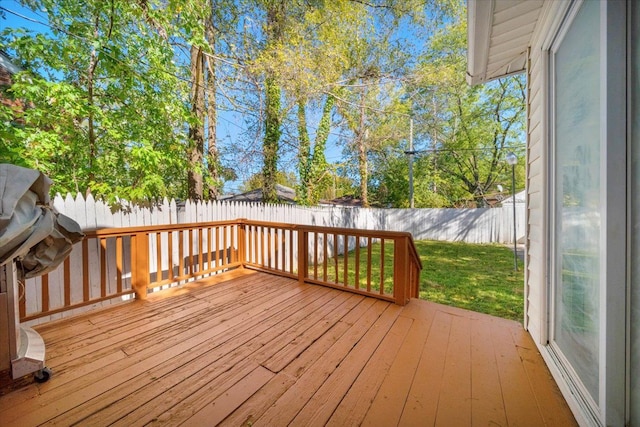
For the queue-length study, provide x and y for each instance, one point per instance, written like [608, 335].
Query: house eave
[499, 34]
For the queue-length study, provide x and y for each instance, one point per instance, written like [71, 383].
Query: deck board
[250, 348]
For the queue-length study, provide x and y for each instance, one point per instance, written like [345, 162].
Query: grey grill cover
[31, 232]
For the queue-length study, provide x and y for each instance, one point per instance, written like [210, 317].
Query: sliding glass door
[588, 206]
[577, 146]
[634, 353]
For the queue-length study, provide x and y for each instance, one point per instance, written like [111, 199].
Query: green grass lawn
[471, 276]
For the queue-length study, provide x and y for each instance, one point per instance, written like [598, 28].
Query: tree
[469, 130]
[461, 133]
[275, 22]
[105, 102]
[371, 98]
[203, 22]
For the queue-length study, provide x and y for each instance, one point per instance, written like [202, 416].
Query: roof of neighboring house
[5, 63]
[521, 197]
[284, 194]
[499, 34]
[350, 201]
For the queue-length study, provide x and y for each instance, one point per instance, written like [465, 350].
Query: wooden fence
[112, 264]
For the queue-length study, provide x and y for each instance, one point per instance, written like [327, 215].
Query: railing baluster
[325, 257]
[85, 270]
[44, 290]
[190, 269]
[382, 266]
[290, 251]
[158, 257]
[140, 264]
[269, 246]
[67, 281]
[250, 240]
[283, 248]
[401, 271]
[235, 243]
[303, 254]
[357, 263]
[369, 264]
[200, 253]
[336, 250]
[345, 250]
[217, 231]
[171, 275]
[119, 264]
[315, 255]
[209, 252]
[242, 240]
[103, 267]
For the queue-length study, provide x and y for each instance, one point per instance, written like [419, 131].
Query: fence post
[303, 254]
[401, 272]
[140, 264]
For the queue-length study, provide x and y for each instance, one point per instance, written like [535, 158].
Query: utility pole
[411, 153]
[512, 160]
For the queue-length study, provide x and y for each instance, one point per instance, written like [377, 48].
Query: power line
[453, 150]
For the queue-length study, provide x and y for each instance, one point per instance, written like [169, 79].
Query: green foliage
[315, 178]
[109, 99]
[271, 140]
[468, 130]
[104, 108]
[461, 133]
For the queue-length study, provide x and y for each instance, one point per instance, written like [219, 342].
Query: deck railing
[131, 262]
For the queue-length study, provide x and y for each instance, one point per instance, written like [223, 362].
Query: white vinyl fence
[486, 225]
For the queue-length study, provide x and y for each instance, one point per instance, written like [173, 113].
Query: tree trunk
[93, 150]
[213, 162]
[272, 132]
[271, 141]
[196, 130]
[362, 151]
[319, 179]
[304, 151]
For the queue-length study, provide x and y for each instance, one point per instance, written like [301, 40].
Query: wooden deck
[248, 348]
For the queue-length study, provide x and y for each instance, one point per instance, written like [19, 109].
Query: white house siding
[537, 263]
[535, 259]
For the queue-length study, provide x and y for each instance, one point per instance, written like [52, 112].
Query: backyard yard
[472, 276]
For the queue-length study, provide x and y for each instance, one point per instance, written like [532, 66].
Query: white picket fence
[487, 225]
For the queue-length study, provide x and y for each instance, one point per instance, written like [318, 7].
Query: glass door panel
[576, 203]
[635, 218]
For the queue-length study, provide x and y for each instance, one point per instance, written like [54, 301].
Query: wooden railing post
[303, 255]
[242, 236]
[140, 264]
[401, 273]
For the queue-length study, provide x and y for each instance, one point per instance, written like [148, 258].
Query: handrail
[113, 263]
